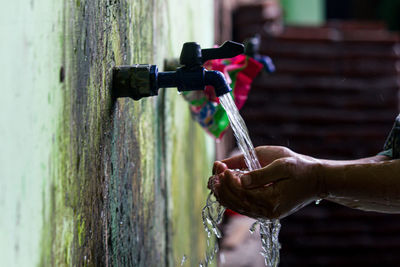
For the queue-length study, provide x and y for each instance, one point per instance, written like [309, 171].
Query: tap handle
[193, 55]
[252, 46]
[226, 50]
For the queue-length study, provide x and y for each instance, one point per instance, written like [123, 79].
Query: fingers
[257, 203]
[266, 155]
[250, 196]
[227, 191]
[219, 167]
[277, 170]
[253, 203]
[236, 162]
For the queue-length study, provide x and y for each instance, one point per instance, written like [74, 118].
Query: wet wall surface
[86, 180]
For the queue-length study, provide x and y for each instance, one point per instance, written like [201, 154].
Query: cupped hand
[287, 182]
[265, 155]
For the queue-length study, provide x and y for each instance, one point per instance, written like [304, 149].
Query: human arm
[289, 181]
[369, 186]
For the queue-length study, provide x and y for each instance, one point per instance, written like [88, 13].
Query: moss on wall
[86, 181]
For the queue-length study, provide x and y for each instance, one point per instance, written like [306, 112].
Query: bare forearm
[367, 184]
[373, 159]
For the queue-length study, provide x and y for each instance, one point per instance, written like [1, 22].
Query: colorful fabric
[239, 72]
[392, 145]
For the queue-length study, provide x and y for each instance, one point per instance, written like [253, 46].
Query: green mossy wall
[85, 181]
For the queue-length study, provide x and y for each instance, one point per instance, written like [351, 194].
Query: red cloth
[239, 72]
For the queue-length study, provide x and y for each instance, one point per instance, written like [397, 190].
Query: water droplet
[183, 260]
[318, 201]
[222, 258]
[253, 227]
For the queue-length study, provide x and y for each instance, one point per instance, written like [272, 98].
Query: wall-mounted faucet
[252, 48]
[139, 81]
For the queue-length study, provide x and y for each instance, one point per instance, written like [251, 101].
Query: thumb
[273, 172]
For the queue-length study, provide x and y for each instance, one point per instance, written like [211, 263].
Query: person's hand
[288, 182]
[265, 155]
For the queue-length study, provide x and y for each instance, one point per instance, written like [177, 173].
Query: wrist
[319, 171]
[333, 175]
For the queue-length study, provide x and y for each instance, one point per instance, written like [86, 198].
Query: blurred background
[334, 95]
[87, 180]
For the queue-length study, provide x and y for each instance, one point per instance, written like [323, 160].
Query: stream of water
[213, 212]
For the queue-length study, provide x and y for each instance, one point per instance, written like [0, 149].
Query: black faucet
[252, 47]
[143, 80]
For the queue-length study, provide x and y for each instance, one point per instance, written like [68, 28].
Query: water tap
[252, 47]
[143, 80]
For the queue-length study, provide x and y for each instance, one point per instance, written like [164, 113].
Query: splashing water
[212, 215]
[183, 260]
[240, 131]
[269, 230]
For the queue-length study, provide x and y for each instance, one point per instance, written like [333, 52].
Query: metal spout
[218, 81]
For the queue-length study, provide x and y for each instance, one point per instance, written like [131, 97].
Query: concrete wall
[83, 180]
